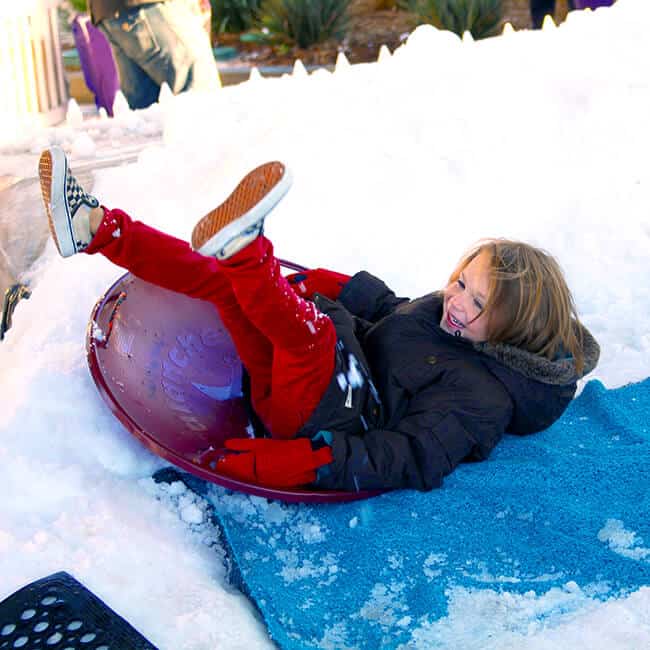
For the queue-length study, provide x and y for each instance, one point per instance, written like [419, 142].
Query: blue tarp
[566, 509]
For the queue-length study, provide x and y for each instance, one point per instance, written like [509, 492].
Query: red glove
[307, 283]
[272, 463]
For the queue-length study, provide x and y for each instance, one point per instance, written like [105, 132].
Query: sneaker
[240, 218]
[66, 203]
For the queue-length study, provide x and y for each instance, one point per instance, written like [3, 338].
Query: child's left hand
[307, 283]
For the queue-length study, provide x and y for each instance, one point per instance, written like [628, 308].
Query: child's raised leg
[304, 340]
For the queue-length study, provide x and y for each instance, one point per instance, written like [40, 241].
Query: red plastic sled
[167, 368]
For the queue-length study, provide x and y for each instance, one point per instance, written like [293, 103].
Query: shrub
[482, 18]
[79, 5]
[305, 22]
[234, 15]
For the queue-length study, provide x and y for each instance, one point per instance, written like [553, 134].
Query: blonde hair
[529, 304]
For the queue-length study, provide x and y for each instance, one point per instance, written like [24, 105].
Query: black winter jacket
[408, 401]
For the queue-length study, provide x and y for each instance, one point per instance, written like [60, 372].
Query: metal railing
[13, 295]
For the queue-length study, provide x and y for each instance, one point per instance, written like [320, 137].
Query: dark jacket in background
[408, 401]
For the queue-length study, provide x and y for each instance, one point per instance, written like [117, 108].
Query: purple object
[97, 62]
[592, 4]
[167, 368]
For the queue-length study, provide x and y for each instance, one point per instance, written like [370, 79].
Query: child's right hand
[271, 463]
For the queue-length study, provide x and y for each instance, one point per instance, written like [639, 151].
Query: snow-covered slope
[398, 167]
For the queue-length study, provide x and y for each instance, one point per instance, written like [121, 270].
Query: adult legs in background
[160, 43]
[139, 89]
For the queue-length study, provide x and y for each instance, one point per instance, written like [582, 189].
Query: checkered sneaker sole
[241, 215]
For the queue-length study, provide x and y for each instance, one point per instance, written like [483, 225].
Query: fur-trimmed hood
[548, 371]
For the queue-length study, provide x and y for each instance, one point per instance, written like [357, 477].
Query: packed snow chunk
[295, 568]
[97, 333]
[335, 638]
[165, 96]
[572, 587]
[355, 378]
[311, 532]
[384, 604]
[83, 146]
[74, 117]
[429, 43]
[176, 488]
[274, 512]
[431, 563]
[120, 105]
[623, 541]
[192, 514]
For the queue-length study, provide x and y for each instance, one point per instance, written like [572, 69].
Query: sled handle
[292, 266]
[120, 299]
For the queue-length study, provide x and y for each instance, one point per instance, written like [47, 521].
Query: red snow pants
[286, 345]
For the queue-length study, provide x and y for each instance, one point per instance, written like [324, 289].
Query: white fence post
[32, 85]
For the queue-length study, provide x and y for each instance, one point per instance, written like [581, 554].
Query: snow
[623, 541]
[398, 167]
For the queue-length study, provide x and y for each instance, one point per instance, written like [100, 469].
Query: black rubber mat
[59, 613]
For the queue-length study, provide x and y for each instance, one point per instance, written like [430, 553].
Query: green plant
[305, 22]
[79, 5]
[482, 18]
[234, 15]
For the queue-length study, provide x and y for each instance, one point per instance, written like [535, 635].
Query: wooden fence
[31, 66]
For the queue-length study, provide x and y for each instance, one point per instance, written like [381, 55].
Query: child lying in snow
[357, 389]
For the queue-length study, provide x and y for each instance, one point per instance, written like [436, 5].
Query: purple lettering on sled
[187, 385]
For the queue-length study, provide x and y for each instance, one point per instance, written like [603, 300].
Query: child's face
[465, 299]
